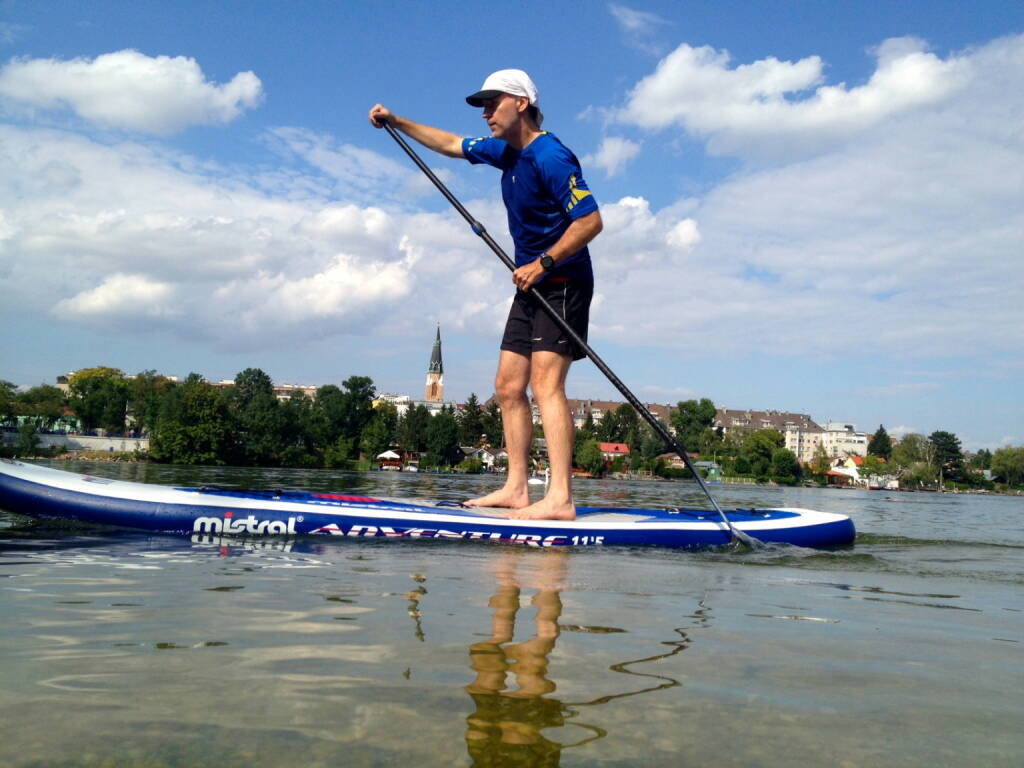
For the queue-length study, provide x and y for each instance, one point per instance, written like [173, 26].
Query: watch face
[547, 262]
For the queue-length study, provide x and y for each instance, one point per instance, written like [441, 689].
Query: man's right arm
[436, 139]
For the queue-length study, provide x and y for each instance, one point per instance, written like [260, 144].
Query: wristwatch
[547, 262]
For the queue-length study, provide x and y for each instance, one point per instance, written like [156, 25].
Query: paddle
[649, 417]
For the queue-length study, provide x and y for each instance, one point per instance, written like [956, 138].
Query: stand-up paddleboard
[36, 491]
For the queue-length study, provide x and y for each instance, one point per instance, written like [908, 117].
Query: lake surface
[124, 649]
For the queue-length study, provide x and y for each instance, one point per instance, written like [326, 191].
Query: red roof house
[612, 450]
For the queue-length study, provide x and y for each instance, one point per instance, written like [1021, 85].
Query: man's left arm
[576, 237]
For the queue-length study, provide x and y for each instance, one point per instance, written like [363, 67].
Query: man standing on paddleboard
[551, 216]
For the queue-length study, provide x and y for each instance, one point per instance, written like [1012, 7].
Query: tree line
[939, 460]
[245, 424]
[758, 454]
[916, 460]
[196, 422]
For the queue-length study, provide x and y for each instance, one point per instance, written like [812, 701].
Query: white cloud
[754, 108]
[634, 21]
[613, 155]
[121, 296]
[345, 287]
[684, 235]
[638, 26]
[9, 32]
[898, 240]
[135, 238]
[129, 90]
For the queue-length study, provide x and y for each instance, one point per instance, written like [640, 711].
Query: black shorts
[530, 329]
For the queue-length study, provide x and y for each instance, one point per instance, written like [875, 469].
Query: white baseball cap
[511, 81]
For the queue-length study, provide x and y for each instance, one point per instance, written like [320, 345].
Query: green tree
[760, 444]
[880, 444]
[296, 437]
[948, 457]
[492, 426]
[338, 454]
[873, 466]
[327, 417]
[99, 397]
[912, 449]
[146, 392]
[194, 426]
[342, 413]
[588, 458]
[257, 414]
[712, 441]
[919, 474]
[412, 429]
[913, 458]
[981, 460]
[608, 428]
[651, 446]
[442, 440]
[28, 440]
[758, 447]
[690, 419]
[44, 404]
[628, 420]
[820, 463]
[1008, 465]
[470, 466]
[381, 433]
[785, 467]
[358, 401]
[471, 422]
[630, 431]
[589, 430]
[8, 402]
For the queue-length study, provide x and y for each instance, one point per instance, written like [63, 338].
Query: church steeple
[434, 392]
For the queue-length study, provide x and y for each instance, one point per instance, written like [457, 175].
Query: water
[120, 649]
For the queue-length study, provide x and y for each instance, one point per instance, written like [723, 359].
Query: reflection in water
[506, 728]
[510, 717]
[414, 596]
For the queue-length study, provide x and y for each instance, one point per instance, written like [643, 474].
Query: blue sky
[809, 206]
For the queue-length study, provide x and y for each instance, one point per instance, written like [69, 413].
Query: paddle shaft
[640, 408]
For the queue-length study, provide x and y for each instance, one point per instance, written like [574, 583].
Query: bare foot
[505, 497]
[545, 509]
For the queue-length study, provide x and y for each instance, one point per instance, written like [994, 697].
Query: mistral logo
[230, 524]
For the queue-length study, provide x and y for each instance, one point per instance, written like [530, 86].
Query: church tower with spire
[435, 373]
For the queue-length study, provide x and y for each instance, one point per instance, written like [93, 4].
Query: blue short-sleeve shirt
[544, 192]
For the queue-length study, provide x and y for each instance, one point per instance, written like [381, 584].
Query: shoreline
[104, 457]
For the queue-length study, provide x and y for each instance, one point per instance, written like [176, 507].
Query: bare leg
[517, 421]
[547, 380]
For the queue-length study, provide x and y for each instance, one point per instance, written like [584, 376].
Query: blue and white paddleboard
[36, 491]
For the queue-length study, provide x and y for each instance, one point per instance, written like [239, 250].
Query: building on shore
[801, 434]
[403, 403]
[803, 441]
[434, 390]
[842, 440]
[595, 409]
[284, 392]
[433, 393]
[727, 420]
